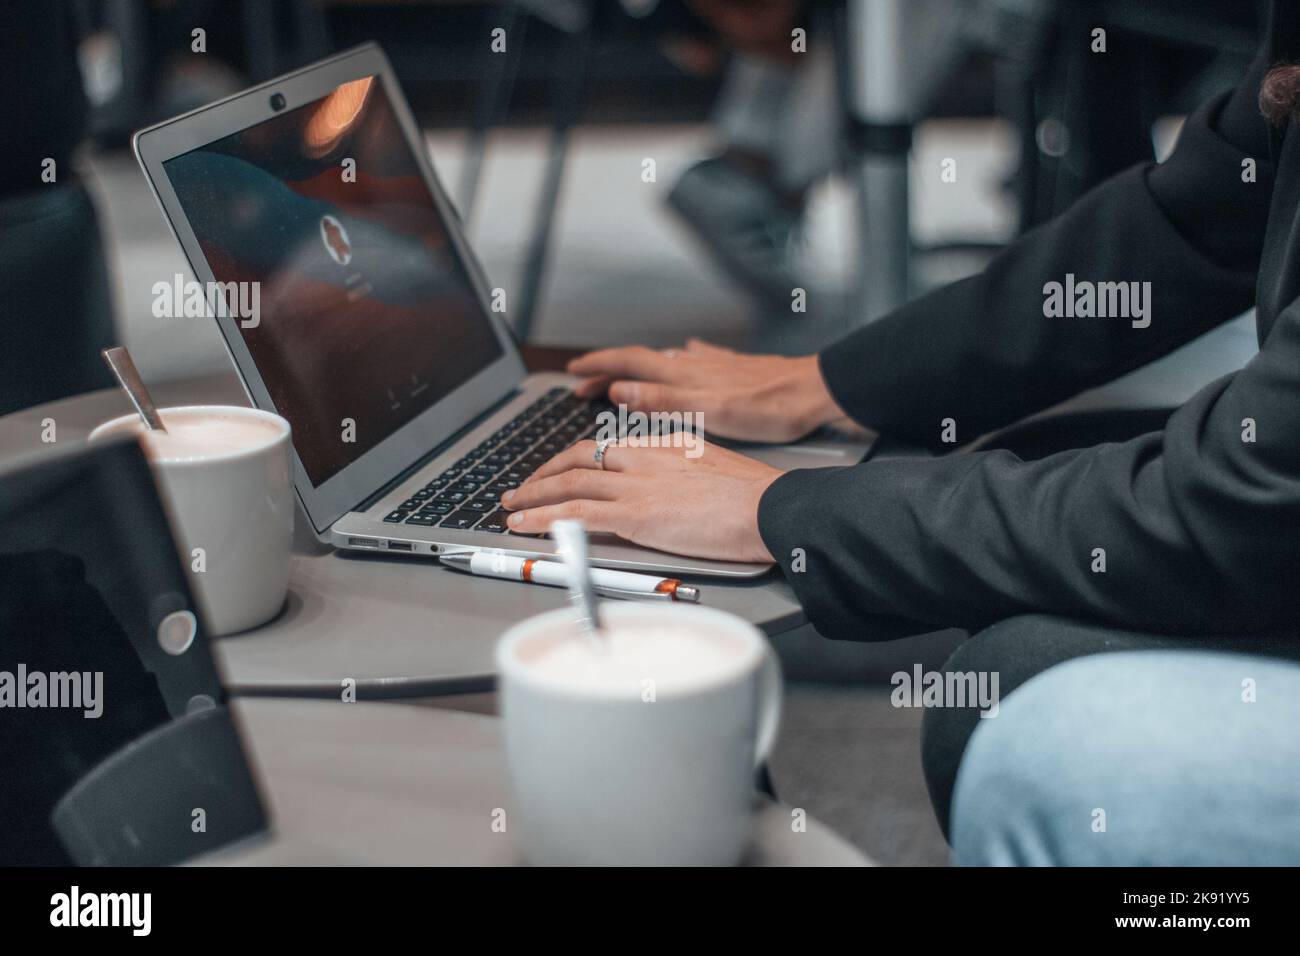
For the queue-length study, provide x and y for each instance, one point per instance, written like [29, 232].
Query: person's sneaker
[744, 223]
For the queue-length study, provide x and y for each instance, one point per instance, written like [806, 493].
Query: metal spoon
[571, 541]
[128, 376]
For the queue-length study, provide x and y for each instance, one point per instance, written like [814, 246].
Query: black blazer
[1201, 529]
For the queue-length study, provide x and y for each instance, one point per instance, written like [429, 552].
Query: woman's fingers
[701, 347]
[635, 361]
[592, 387]
[651, 397]
[596, 515]
[581, 455]
[566, 486]
[721, 413]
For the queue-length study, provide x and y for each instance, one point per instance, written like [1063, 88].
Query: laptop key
[423, 520]
[438, 508]
[495, 523]
[460, 520]
[479, 505]
[396, 516]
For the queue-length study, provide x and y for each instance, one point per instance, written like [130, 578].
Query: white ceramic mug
[236, 505]
[602, 779]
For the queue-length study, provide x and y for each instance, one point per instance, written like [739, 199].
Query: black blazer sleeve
[980, 351]
[1200, 528]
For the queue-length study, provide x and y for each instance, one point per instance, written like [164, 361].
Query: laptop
[351, 304]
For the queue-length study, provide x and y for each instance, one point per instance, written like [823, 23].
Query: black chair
[178, 792]
[91, 583]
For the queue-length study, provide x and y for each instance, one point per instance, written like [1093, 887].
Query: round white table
[397, 627]
[397, 784]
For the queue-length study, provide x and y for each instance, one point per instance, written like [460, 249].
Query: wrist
[815, 400]
[757, 544]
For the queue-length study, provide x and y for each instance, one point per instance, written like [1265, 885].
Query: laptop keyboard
[466, 497]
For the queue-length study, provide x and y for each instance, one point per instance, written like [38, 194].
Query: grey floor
[623, 272]
[847, 755]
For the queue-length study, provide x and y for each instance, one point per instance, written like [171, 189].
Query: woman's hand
[761, 398]
[705, 506]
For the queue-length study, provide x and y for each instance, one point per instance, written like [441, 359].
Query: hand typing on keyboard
[705, 506]
[765, 398]
[467, 496]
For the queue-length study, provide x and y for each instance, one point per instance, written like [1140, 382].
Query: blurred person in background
[777, 124]
[56, 309]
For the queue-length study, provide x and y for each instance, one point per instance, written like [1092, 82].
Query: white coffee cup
[225, 478]
[612, 768]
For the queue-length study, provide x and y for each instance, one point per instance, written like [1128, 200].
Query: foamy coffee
[194, 435]
[640, 751]
[225, 475]
[677, 659]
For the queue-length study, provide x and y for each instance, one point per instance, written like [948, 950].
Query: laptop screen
[333, 257]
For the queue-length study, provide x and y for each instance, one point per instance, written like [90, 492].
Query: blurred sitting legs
[1020, 648]
[777, 122]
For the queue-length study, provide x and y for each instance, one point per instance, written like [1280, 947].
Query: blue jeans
[1135, 759]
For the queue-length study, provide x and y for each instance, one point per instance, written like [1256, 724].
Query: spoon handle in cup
[128, 376]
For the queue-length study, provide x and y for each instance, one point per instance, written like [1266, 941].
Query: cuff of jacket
[793, 517]
[834, 547]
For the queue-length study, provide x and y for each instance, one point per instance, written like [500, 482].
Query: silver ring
[601, 445]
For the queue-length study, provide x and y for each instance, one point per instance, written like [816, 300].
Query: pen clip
[629, 595]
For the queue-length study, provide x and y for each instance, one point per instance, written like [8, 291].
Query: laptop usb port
[363, 542]
[400, 546]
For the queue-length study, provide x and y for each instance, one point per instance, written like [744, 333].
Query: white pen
[621, 584]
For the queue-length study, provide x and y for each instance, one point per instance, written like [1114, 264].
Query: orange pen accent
[526, 572]
[668, 586]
